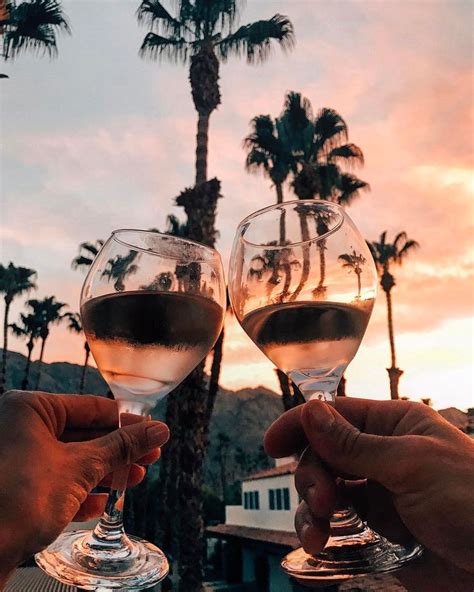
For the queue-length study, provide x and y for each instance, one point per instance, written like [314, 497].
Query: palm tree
[29, 327]
[202, 34]
[14, 281]
[321, 151]
[74, 324]
[269, 150]
[120, 268]
[87, 253]
[386, 254]
[31, 26]
[49, 312]
[354, 262]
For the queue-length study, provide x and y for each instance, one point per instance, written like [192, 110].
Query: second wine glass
[302, 283]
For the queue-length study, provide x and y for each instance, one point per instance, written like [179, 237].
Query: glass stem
[109, 532]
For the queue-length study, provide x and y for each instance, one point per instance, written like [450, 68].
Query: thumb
[347, 449]
[123, 446]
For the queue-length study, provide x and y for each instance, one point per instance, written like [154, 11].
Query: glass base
[345, 557]
[144, 566]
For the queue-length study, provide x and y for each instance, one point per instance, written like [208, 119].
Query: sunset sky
[100, 139]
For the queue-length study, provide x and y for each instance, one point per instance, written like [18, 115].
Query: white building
[258, 533]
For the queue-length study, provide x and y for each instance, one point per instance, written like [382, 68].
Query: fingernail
[320, 417]
[156, 434]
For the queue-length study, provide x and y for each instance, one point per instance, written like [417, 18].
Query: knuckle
[348, 437]
[128, 444]
[13, 396]
[91, 472]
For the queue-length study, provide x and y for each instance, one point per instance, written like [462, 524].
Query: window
[251, 500]
[286, 498]
[279, 499]
[271, 499]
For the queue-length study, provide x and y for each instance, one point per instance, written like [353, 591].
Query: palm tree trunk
[390, 329]
[192, 416]
[341, 387]
[322, 267]
[286, 395]
[394, 373]
[214, 378]
[5, 346]
[306, 256]
[202, 141]
[279, 191]
[359, 285]
[24, 382]
[40, 365]
[166, 515]
[84, 368]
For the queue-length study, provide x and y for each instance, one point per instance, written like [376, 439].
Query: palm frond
[410, 245]
[347, 153]
[257, 160]
[295, 125]
[152, 13]
[158, 47]
[73, 322]
[15, 281]
[255, 40]
[17, 330]
[206, 15]
[32, 26]
[350, 188]
[329, 129]
[87, 253]
[263, 135]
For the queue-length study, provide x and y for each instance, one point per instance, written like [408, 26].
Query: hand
[420, 473]
[54, 449]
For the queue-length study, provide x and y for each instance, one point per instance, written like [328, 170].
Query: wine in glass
[152, 307]
[302, 283]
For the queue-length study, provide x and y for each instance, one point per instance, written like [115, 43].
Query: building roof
[261, 535]
[32, 579]
[287, 469]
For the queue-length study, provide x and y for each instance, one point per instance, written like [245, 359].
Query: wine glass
[302, 283]
[152, 307]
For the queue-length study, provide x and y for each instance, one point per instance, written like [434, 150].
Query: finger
[286, 435]
[315, 485]
[82, 411]
[382, 515]
[80, 435]
[313, 532]
[347, 450]
[136, 475]
[92, 507]
[121, 447]
[150, 458]
[130, 418]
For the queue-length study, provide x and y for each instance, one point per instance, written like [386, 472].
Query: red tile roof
[262, 535]
[287, 469]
